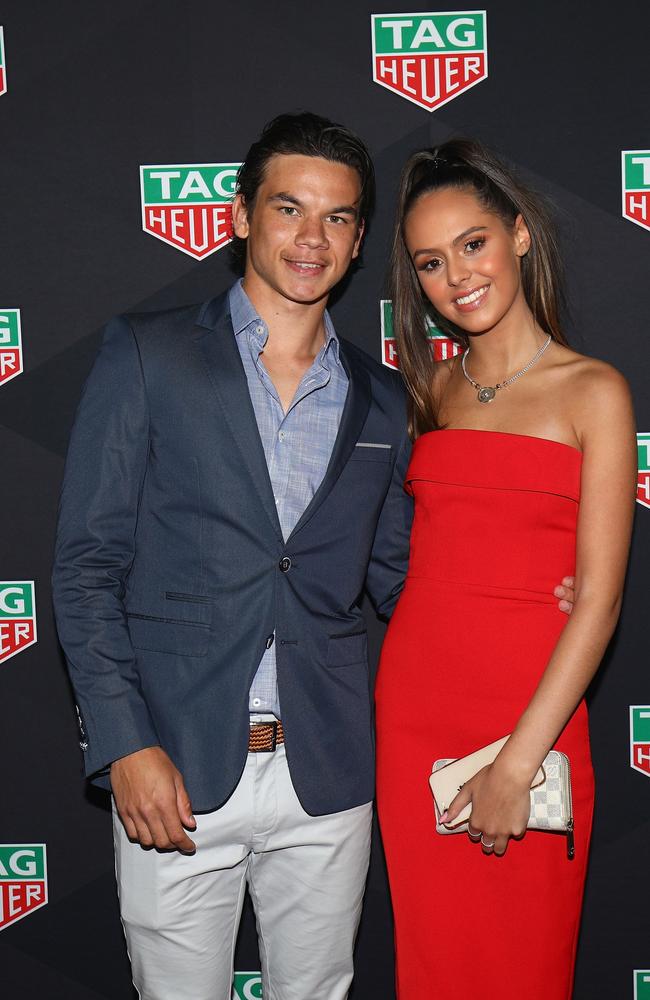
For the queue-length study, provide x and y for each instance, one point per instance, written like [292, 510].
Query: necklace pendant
[486, 394]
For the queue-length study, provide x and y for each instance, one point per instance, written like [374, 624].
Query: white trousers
[306, 876]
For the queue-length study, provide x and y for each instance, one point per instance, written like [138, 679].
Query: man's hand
[566, 593]
[152, 801]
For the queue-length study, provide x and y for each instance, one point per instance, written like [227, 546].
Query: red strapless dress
[494, 532]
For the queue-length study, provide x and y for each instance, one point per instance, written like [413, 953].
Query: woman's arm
[606, 429]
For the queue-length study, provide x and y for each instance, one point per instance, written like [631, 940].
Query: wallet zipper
[570, 842]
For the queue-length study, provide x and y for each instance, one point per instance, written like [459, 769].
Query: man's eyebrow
[339, 210]
[284, 196]
[461, 236]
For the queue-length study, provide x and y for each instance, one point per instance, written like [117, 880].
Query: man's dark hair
[304, 134]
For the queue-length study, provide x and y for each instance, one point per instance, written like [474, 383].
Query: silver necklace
[486, 393]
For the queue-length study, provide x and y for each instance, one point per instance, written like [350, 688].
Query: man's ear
[359, 239]
[240, 217]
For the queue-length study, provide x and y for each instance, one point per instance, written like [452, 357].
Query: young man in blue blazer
[233, 485]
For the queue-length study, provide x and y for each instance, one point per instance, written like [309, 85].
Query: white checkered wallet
[551, 805]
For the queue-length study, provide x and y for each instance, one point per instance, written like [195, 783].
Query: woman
[523, 461]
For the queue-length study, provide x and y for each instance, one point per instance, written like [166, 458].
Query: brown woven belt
[263, 737]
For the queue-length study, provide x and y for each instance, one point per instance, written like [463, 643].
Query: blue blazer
[171, 569]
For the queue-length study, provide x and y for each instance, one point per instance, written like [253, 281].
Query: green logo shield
[442, 346]
[247, 986]
[643, 472]
[640, 738]
[17, 617]
[429, 58]
[642, 984]
[23, 881]
[189, 205]
[3, 68]
[635, 173]
[11, 348]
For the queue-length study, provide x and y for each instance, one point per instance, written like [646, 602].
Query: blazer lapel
[355, 411]
[226, 372]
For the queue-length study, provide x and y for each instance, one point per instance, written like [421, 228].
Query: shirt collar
[244, 315]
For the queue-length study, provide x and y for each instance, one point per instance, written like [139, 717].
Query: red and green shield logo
[442, 346]
[636, 186]
[189, 205]
[23, 881]
[643, 474]
[3, 66]
[247, 986]
[11, 349]
[429, 58]
[640, 738]
[642, 984]
[17, 617]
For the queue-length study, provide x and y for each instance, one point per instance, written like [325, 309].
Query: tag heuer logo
[189, 205]
[23, 881]
[247, 986]
[3, 67]
[429, 58]
[11, 350]
[636, 186]
[17, 617]
[640, 738]
[643, 474]
[441, 345]
[642, 984]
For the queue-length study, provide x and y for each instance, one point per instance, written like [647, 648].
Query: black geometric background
[95, 90]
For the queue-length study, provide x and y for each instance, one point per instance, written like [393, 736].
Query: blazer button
[285, 564]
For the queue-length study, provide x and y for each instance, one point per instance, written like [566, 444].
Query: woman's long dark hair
[467, 165]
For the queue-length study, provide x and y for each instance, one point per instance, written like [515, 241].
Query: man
[234, 481]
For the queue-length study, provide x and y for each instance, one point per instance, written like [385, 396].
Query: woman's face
[467, 261]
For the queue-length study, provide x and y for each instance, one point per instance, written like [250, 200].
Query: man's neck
[296, 329]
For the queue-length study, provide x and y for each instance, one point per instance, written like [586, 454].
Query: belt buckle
[273, 723]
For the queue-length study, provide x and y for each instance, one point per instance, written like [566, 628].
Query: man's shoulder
[175, 322]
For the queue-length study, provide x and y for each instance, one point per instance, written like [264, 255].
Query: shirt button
[285, 564]
[281, 435]
[259, 329]
[256, 702]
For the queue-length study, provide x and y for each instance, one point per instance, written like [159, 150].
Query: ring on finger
[474, 835]
[488, 847]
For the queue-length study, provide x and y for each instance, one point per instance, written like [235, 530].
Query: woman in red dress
[523, 470]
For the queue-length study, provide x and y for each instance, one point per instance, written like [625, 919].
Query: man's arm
[95, 547]
[390, 549]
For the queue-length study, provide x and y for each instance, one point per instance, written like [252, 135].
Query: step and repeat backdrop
[123, 124]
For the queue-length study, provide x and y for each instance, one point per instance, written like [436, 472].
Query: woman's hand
[500, 807]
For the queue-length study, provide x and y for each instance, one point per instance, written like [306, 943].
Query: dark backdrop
[95, 90]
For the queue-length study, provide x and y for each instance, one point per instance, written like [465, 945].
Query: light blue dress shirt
[297, 444]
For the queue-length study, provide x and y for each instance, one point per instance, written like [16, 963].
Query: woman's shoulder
[597, 391]
[588, 375]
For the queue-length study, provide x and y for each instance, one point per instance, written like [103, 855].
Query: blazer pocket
[344, 650]
[371, 453]
[164, 635]
[173, 595]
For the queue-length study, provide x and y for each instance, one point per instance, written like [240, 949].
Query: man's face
[304, 229]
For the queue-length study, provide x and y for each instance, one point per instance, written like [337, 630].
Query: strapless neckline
[506, 434]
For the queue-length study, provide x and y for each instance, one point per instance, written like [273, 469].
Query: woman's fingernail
[564, 606]
[443, 818]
